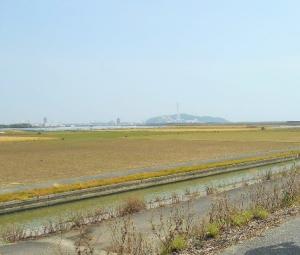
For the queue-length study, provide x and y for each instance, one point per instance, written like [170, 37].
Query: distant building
[118, 121]
[44, 122]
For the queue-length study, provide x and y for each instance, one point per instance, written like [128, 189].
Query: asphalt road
[282, 240]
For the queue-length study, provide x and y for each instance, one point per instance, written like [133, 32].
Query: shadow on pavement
[288, 248]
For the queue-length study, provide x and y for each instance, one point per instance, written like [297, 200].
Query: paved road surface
[282, 240]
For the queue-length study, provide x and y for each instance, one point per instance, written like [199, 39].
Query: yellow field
[33, 157]
[23, 138]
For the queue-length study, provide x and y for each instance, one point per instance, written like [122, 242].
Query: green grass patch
[260, 213]
[212, 230]
[177, 244]
[242, 218]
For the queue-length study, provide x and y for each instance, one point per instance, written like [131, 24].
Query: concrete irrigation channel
[66, 197]
[101, 235]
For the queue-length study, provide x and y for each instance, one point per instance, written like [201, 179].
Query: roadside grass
[242, 218]
[176, 245]
[229, 215]
[25, 195]
[212, 230]
[178, 231]
[260, 213]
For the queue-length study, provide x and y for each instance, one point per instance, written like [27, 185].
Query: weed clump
[260, 213]
[178, 244]
[268, 175]
[210, 190]
[132, 205]
[241, 219]
[213, 230]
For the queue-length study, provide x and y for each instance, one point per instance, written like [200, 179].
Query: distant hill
[185, 118]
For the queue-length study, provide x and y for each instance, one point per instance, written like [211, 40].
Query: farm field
[8, 138]
[28, 157]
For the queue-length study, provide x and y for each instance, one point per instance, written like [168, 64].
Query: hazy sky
[98, 60]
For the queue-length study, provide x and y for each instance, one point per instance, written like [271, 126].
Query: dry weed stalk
[221, 211]
[127, 240]
[132, 205]
[83, 245]
[179, 222]
[13, 233]
[210, 190]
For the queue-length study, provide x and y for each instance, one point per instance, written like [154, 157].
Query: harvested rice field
[23, 138]
[29, 157]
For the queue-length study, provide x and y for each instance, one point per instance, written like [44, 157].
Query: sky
[96, 60]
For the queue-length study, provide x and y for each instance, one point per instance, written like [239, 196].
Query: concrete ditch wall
[15, 206]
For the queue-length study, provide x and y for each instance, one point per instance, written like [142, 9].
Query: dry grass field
[8, 138]
[54, 155]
